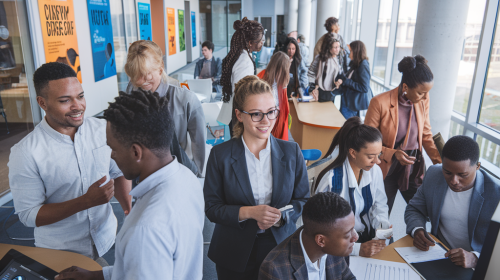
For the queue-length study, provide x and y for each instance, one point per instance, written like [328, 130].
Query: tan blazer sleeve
[373, 118]
[317, 47]
[427, 141]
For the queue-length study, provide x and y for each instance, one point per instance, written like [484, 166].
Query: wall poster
[171, 31]
[101, 37]
[182, 37]
[193, 27]
[144, 21]
[59, 33]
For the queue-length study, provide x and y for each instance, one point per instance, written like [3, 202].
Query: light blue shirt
[48, 167]
[162, 237]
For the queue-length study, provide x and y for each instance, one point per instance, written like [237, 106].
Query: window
[468, 61]
[404, 35]
[382, 41]
[358, 25]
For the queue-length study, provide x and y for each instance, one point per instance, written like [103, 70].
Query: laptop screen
[17, 271]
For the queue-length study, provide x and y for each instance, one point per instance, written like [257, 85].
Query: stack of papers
[415, 255]
[372, 269]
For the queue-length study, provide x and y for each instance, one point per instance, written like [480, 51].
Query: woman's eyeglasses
[259, 116]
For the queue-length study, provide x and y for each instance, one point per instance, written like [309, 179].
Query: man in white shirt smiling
[459, 198]
[162, 236]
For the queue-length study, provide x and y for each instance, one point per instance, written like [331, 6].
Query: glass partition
[382, 41]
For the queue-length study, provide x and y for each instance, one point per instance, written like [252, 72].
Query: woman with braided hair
[249, 179]
[247, 38]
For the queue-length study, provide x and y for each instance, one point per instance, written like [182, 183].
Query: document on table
[372, 269]
[415, 255]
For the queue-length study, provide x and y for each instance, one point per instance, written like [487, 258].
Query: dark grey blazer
[429, 200]
[227, 188]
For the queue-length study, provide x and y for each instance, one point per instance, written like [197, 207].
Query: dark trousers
[263, 244]
[348, 113]
[392, 187]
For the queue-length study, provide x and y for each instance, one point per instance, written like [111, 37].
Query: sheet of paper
[372, 269]
[415, 255]
[107, 180]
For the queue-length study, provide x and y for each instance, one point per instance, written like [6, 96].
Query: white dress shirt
[48, 167]
[313, 271]
[242, 67]
[162, 237]
[260, 173]
[378, 215]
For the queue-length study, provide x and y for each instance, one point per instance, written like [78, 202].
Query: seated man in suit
[209, 67]
[316, 250]
[459, 199]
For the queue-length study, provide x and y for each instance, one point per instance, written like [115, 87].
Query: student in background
[209, 67]
[249, 178]
[459, 199]
[324, 70]
[316, 250]
[162, 237]
[57, 170]
[298, 69]
[355, 85]
[356, 176]
[402, 115]
[248, 37]
[333, 28]
[276, 74]
[304, 50]
[146, 71]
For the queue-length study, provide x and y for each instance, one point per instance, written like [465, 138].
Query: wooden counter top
[319, 114]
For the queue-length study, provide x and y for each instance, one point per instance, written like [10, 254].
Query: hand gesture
[76, 273]
[265, 215]
[371, 248]
[338, 83]
[403, 158]
[100, 195]
[422, 240]
[462, 258]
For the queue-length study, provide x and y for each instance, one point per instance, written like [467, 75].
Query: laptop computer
[17, 266]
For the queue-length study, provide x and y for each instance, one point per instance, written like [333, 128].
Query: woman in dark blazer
[355, 85]
[248, 179]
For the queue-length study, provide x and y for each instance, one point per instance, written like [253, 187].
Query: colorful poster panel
[171, 31]
[59, 33]
[182, 37]
[145, 21]
[101, 37]
[193, 27]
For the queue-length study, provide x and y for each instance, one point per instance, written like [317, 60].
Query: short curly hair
[50, 72]
[461, 148]
[322, 211]
[330, 22]
[142, 117]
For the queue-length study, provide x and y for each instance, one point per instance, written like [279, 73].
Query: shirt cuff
[476, 253]
[355, 249]
[107, 272]
[415, 229]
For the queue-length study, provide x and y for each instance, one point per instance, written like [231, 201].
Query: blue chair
[311, 154]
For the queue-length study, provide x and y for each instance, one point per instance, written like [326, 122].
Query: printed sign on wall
[193, 27]
[171, 31]
[101, 37]
[182, 38]
[59, 33]
[145, 21]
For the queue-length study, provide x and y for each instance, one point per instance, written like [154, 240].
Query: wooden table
[55, 259]
[314, 124]
[389, 254]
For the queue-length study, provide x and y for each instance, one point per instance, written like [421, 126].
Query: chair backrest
[201, 86]
[211, 112]
[312, 173]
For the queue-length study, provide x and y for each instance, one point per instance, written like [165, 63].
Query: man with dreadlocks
[162, 236]
[248, 37]
[57, 172]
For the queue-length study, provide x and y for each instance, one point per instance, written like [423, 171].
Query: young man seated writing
[459, 199]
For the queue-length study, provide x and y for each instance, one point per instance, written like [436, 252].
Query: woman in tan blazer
[402, 116]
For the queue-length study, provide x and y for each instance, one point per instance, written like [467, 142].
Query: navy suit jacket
[356, 91]
[227, 189]
[429, 200]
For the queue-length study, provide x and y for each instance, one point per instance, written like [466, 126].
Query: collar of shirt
[313, 268]
[57, 135]
[208, 59]
[366, 177]
[402, 100]
[266, 150]
[156, 178]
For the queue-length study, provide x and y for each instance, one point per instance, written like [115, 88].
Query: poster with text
[171, 31]
[59, 33]
[101, 38]
[193, 27]
[144, 21]
[182, 38]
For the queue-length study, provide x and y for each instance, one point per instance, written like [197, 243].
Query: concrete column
[439, 37]
[325, 9]
[304, 20]
[293, 7]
